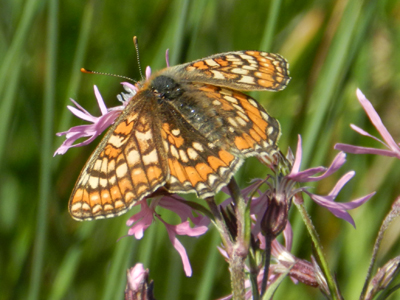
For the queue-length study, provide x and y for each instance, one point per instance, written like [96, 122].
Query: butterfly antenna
[86, 71]
[135, 42]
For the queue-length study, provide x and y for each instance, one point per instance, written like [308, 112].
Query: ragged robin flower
[108, 116]
[283, 188]
[100, 124]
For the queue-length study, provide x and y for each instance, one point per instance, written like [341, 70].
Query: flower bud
[383, 277]
[138, 286]
[275, 218]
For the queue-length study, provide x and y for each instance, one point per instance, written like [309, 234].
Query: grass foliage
[333, 47]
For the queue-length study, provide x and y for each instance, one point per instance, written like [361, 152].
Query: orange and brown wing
[239, 70]
[129, 164]
[247, 128]
[226, 118]
[195, 164]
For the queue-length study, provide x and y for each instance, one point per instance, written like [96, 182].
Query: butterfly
[187, 130]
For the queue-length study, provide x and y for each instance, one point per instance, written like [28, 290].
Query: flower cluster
[280, 190]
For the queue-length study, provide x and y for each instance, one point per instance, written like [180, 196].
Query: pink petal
[337, 163]
[297, 160]
[364, 133]
[167, 57]
[81, 131]
[341, 183]
[148, 72]
[333, 207]
[82, 115]
[130, 86]
[138, 229]
[376, 120]
[182, 210]
[340, 209]
[143, 219]
[179, 247]
[80, 107]
[100, 101]
[305, 176]
[185, 229]
[288, 235]
[337, 208]
[365, 150]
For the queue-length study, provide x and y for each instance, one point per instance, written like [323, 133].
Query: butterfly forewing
[239, 70]
[129, 164]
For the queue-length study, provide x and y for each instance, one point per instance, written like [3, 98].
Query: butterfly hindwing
[227, 118]
[195, 164]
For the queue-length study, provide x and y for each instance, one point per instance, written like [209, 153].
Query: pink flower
[394, 149]
[282, 189]
[100, 124]
[328, 201]
[143, 219]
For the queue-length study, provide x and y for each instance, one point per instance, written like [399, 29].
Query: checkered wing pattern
[128, 164]
[195, 163]
[208, 131]
[239, 70]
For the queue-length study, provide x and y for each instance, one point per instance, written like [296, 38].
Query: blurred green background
[333, 47]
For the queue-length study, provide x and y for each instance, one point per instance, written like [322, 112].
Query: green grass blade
[270, 25]
[30, 9]
[45, 177]
[329, 78]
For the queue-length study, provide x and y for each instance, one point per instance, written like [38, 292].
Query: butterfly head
[166, 88]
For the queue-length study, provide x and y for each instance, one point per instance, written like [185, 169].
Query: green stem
[236, 247]
[393, 214]
[236, 262]
[220, 224]
[242, 217]
[318, 248]
[268, 242]
[253, 273]
[241, 245]
[236, 267]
